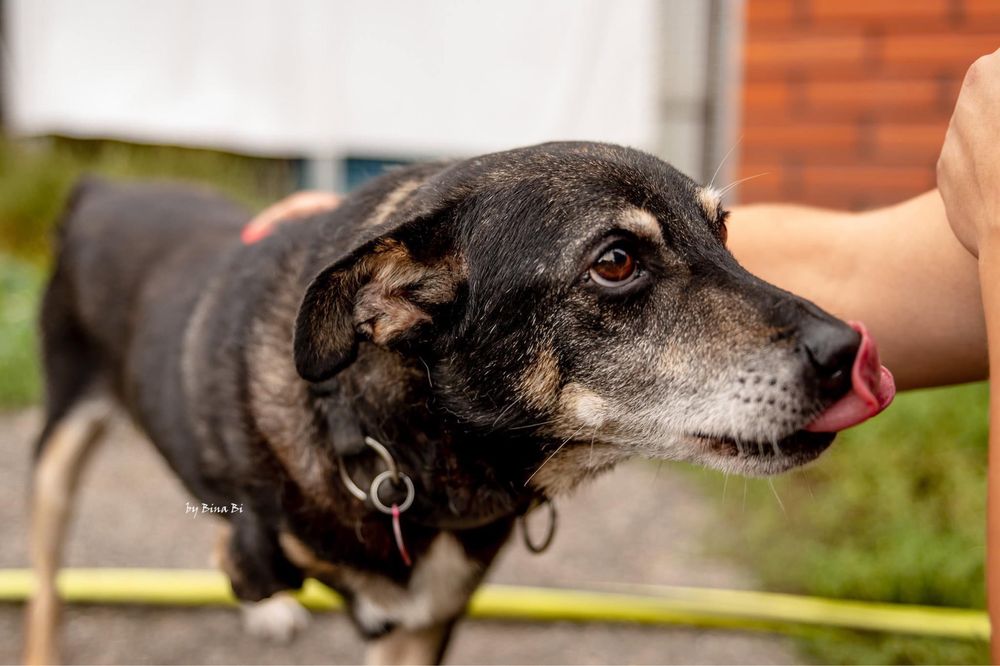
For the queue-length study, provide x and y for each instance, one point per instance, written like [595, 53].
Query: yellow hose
[734, 609]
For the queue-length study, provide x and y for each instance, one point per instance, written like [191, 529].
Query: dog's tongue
[872, 389]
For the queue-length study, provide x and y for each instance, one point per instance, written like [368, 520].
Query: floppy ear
[379, 291]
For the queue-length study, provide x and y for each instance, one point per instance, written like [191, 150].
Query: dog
[384, 388]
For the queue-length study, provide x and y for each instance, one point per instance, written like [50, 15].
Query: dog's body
[450, 311]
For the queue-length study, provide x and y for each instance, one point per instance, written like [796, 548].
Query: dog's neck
[463, 477]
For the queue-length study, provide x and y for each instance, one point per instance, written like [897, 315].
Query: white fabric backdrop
[318, 78]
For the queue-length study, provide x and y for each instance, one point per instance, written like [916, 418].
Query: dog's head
[584, 292]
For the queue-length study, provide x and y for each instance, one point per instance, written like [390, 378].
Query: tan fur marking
[581, 407]
[642, 223]
[220, 550]
[710, 200]
[303, 557]
[438, 589]
[379, 589]
[391, 202]
[54, 484]
[540, 383]
[575, 463]
[406, 646]
[383, 307]
[279, 399]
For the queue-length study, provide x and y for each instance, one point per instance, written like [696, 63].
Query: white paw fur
[279, 618]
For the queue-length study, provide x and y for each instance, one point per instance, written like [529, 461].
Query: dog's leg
[261, 576]
[410, 646]
[62, 454]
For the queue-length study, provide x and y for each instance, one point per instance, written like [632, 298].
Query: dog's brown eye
[613, 268]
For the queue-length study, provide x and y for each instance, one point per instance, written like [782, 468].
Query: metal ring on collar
[550, 533]
[384, 454]
[377, 483]
[348, 482]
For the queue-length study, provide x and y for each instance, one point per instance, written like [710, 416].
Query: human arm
[969, 179]
[898, 269]
[297, 205]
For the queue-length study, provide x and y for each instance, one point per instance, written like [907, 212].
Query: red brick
[779, 53]
[770, 13]
[979, 10]
[846, 101]
[900, 180]
[800, 139]
[888, 13]
[918, 98]
[849, 199]
[951, 86]
[909, 143]
[932, 53]
[763, 101]
[761, 182]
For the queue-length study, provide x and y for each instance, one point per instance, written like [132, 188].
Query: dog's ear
[382, 291]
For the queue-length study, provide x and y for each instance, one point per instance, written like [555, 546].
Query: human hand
[294, 206]
[968, 170]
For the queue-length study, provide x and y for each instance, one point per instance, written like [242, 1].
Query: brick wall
[845, 102]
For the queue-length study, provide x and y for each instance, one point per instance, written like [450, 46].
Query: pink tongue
[872, 389]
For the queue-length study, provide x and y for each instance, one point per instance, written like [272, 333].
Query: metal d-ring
[386, 457]
[348, 482]
[377, 483]
[391, 473]
[549, 534]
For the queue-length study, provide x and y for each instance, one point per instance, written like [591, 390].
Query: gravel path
[635, 525]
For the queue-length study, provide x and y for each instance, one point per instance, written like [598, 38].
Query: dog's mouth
[766, 457]
[872, 389]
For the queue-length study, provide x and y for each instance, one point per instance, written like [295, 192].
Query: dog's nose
[832, 347]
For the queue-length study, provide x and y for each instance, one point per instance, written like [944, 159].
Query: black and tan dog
[504, 327]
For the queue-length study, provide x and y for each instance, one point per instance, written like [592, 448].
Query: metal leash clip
[391, 474]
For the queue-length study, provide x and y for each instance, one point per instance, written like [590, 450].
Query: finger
[296, 206]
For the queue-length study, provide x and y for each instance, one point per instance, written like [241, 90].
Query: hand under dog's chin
[759, 458]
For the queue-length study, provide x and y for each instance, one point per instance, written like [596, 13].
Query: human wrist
[988, 250]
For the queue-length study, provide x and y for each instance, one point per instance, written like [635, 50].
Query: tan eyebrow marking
[710, 200]
[642, 223]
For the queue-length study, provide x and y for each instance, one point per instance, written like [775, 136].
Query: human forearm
[989, 272]
[898, 269]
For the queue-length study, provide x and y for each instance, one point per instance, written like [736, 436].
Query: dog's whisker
[776, 448]
[730, 186]
[558, 449]
[774, 491]
[502, 413]
[711, 183]
[725, 486]
[532, 425]
[745, 481]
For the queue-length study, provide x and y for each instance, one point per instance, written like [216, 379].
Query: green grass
[894, 511]
[35, 178]
[20, 283]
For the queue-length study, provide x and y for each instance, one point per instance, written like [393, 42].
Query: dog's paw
[279, 618]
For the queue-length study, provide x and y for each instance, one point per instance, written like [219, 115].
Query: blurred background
[838, 103]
